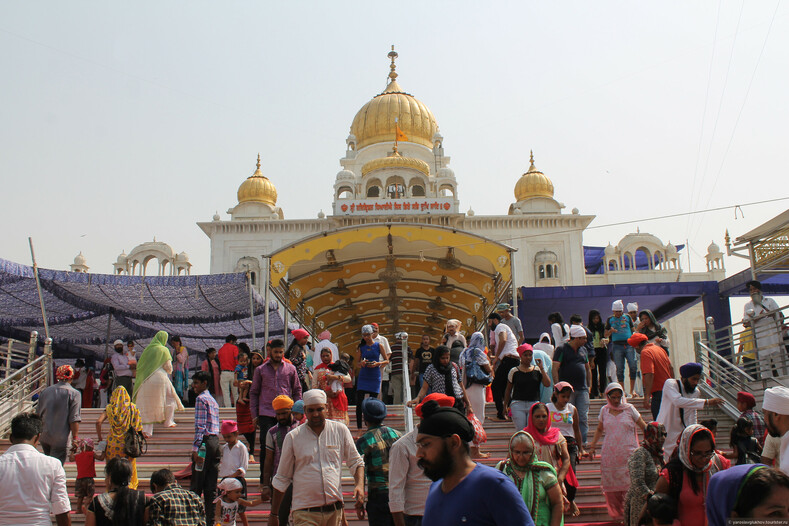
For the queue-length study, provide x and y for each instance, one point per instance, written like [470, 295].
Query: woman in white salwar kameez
[154, 394]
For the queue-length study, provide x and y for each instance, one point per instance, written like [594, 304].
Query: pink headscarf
[325, 335]
[548, 437]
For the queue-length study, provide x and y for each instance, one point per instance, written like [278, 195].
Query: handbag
[475, 374]
[480, 435]
[134, 443]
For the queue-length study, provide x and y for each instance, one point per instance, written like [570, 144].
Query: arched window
[373, 191]
[345, 192]
[252, 278]
[542, 272]
[549, 271]
[556, 271]
[417, 191]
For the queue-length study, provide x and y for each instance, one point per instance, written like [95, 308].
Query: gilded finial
[258, 166]
[392, 55]
[531, 160]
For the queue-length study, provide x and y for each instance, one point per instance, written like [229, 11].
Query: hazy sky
[124, 121]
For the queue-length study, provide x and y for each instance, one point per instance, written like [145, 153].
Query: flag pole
[396, 134]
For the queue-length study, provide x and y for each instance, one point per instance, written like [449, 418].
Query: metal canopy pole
[251, 310]
[38, 286]
[513, 287]
[267, 261]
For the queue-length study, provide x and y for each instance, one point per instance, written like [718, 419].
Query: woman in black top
[597, 328]
[523, 386]
[120, 505]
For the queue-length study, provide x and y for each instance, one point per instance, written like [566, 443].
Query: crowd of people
[292, 400]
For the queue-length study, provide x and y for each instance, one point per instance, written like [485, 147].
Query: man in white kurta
[764, 316]
[776, 415]
[681, 399]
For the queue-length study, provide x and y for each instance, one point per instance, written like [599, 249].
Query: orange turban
[282, 402]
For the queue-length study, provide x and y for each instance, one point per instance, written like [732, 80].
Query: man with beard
[463, 492]
[122, 370]
[311, 460]
[273, 378]
[776, 416]
[765, 318]
[274, 440]
[679, 404]
[408, 485]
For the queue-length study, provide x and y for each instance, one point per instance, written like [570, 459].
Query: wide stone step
[171, 448]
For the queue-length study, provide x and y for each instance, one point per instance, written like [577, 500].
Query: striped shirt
[206, 418]
[374, 447]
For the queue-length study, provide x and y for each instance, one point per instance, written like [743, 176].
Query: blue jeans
[520, 413]
[580, 399]
[622, 352]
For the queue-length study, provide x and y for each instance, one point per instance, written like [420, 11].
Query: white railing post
[32, 346]
[48, 360]
[407, 412]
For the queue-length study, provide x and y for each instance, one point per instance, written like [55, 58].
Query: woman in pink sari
[332, 383]
[620, 422]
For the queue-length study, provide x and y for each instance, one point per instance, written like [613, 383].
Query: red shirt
[86, 464]
[228, 357]
[654, 360]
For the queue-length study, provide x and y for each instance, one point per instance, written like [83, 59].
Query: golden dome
[395, 160]
[257, 188]
[533, 183]
[375, 122]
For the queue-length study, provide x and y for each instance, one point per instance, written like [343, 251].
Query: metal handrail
[25, 377]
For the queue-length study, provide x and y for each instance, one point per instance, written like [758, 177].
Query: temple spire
[392, 73]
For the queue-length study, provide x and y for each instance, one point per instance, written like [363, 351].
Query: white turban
[617, 305]
[314, 396]
[368, 329]
[632, 307]
[576, 331]
[776, 399]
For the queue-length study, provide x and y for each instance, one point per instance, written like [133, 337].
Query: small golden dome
[533, 183]
[375, 122]
[257, 188]
[395, 160]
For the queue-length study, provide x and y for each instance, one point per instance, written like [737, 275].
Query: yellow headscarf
[119, 411]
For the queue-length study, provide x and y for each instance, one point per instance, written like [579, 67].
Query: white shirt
[384, 343]
[324, 344]
[313, 464]
[233, 459]
[32, 485]
[558, 337]
[766, 327]
[408, 485]
[120, 363]
[510, 347]
[784, 465]
[772, 449]
[674, 400]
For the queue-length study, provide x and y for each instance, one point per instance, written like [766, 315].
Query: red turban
[523, 348]
[300, 334]
[374, 325]
[747, 398]
[64, 372]
[442, 399]
[637, 339]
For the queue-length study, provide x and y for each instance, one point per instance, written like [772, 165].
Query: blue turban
[724, 488]
[690, 369]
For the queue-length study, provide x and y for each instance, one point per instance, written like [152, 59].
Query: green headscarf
[528, 487]
[153, 357]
